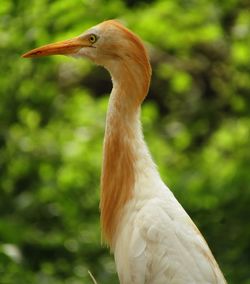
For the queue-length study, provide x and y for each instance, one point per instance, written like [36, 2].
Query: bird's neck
[124, 148]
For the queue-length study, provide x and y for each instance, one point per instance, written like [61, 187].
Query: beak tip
[26, 55]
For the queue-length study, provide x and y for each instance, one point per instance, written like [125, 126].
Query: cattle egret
[153, 239]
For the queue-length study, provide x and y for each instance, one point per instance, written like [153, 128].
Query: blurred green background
[52, 114]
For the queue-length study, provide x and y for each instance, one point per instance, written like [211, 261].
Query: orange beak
[66, 47]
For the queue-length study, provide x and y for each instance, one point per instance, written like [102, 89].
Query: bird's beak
[66, 47]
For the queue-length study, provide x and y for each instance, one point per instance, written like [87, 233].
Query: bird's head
[107, 44]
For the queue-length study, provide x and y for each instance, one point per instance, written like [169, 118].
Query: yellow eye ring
[92, 38]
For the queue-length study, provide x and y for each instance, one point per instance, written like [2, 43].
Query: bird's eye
[92, 38]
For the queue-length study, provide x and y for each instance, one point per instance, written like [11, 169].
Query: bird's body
[153, 239]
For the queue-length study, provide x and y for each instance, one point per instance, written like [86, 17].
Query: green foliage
[52, 117]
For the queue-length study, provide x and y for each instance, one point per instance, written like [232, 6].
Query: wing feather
[162, 246]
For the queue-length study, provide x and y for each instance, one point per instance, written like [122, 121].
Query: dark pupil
[92, 38]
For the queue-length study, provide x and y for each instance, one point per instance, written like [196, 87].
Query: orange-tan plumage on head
[117, 49]
[117, 43]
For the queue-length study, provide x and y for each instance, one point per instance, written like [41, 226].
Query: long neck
[123, 148]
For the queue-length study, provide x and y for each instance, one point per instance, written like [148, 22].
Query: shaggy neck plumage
[122, 136]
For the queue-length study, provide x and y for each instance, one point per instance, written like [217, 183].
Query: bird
[153, 239]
